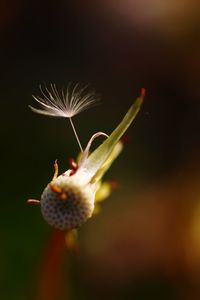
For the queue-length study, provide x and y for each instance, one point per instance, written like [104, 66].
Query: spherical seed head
[71, 207]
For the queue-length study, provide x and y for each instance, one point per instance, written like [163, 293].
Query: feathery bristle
[64, 104]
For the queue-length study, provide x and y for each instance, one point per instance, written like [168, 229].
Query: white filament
[65, 104]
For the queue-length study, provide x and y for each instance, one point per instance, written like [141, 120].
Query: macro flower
[70, 198]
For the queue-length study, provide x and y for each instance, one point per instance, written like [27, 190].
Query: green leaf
[100, 155]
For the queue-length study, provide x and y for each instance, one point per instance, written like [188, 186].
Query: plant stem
[75, 133]
[50, 277]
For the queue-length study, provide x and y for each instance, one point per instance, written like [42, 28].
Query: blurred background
[145, 243]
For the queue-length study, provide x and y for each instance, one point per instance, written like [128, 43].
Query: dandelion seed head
[68, 200]
[63, 103]
[71, 211]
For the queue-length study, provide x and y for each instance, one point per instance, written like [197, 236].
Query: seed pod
[65, 204]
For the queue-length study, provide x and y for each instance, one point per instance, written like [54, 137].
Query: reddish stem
[50, 277]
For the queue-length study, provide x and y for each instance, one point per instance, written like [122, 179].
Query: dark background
[145, 244]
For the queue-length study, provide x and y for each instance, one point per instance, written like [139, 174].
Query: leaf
[100, 155]
[108, 162]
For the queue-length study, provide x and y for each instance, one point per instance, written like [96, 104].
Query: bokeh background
[145, 244]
